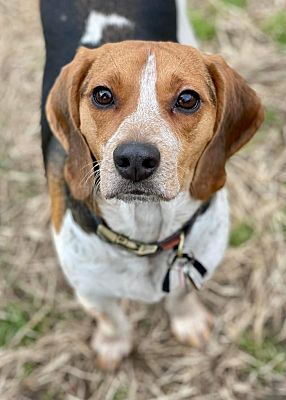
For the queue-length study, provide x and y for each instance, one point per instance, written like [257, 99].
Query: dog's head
[159, 118]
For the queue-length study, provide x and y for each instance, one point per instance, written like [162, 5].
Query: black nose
[136, 161]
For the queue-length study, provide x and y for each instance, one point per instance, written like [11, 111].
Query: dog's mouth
[137, 195]
[150, 190]
[128, 192]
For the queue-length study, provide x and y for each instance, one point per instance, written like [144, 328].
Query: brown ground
[44, 334]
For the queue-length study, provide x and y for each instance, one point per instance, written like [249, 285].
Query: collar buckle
[146, 249]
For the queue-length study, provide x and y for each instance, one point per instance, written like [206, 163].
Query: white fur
[147, 100]
[98, 270]
[97, 22]
[185, 32]
[145, 122]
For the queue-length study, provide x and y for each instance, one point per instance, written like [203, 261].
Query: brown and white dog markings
[140, 134]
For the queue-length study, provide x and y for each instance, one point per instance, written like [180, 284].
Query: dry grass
[45, 353]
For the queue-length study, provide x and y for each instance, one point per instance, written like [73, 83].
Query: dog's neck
[148, 222]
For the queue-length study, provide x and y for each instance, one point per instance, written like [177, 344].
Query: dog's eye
[188, 101]
[102, 96]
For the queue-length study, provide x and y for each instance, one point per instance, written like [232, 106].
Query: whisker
[95, 163]
[88, 175]
[96, 187]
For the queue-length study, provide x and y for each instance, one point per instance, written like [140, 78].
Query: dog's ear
[239, 114]
[62, 110]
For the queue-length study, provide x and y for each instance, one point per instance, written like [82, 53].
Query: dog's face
[159, 118]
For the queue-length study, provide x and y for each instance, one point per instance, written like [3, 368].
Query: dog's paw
[110, 351]
[194, 328]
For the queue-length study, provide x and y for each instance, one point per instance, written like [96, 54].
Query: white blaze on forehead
[147, 120]
[148, 99]
[148, 125]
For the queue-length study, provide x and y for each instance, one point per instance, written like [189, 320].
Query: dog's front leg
[112, 340]
[190, 320]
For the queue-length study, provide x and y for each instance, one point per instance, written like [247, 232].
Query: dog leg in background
[190, 321]
[112, 340]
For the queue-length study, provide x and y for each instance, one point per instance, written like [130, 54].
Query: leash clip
[192, 273]
[192, 270]
[180, 250]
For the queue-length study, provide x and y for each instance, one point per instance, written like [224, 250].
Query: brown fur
[55, 175]
[63, 116]
[238, 116]
[58, 204]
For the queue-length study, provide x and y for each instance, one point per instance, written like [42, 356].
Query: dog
[136, 132]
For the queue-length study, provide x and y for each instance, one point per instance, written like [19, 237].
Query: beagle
[136, 135]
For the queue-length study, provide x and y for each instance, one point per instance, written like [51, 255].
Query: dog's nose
[136, 161]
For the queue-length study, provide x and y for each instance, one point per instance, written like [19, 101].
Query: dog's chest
[96, 268]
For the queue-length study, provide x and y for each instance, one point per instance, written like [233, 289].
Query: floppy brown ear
[239, 114]
[62, 110]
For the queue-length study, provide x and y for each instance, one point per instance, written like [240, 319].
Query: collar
[93, 223]
[174, 241]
